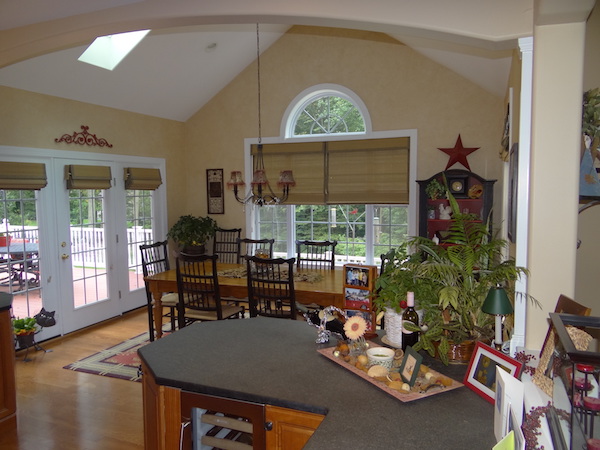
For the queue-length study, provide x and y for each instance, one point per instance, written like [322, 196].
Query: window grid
[140, 221]
[88, 246]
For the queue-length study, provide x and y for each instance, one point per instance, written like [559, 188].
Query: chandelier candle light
[261, 193]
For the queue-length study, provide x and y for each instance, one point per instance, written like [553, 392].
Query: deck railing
[87, 244]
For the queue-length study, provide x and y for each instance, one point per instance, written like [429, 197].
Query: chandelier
[260, 192]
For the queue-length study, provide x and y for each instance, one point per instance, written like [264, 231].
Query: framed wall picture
[214, 191]
[513, 174]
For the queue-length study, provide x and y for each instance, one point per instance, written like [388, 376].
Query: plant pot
[194, 249]
[458, 353]
[393, 327]
[26, 340]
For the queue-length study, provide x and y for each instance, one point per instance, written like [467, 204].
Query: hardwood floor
[62, 409]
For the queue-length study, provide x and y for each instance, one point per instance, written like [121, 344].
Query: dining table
[312, 286]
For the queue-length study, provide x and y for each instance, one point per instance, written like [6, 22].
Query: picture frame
[357, 298]
[214, 191]
[367, 315]
[543, 377]
[358, 276]
[409, 369]
[481, 374]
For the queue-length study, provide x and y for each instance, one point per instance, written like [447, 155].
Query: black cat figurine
[45, 318]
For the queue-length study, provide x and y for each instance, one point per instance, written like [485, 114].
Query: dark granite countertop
[274, 361]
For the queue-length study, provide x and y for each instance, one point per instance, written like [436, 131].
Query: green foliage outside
[328, 115]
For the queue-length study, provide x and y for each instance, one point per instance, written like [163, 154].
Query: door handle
[64, 256]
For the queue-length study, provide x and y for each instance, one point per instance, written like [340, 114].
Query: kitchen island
[274, 364]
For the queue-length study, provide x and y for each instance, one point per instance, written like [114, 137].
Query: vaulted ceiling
[195, 49]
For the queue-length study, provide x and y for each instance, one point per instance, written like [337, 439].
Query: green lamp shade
[497, 302]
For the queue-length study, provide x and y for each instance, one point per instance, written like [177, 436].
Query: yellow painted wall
[401, 89]
[36, 120]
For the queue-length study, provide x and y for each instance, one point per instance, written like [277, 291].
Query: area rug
[120, 361]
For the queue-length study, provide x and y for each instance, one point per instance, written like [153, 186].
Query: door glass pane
[88, 246]
[19, 251]
[140, 231]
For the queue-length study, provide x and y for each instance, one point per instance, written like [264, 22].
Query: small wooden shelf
[480, 206]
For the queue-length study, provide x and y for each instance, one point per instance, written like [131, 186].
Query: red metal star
[458, 154]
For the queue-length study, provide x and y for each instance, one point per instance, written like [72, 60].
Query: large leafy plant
[192, 231]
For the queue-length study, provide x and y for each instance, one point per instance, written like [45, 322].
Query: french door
[89, 238]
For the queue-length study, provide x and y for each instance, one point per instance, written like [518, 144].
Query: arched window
[364, 229]
[326, 109]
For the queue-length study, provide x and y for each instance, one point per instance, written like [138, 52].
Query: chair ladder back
[248, 247]
[316, 254]
[198, 284]
[155, 258]
[225, 245]
[271, 287]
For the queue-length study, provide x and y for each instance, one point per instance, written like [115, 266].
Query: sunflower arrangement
[355, 328]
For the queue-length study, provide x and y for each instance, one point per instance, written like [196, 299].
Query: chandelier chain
[258, 82]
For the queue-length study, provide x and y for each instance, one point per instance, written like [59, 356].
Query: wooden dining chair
[155, 259]
[271, 287]
[316, 254]
[248, 247]
[198, 289]
[225, 245]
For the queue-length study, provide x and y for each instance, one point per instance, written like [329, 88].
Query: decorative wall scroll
[214, 191]
[83, 138]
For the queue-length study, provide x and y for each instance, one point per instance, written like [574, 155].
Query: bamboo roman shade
[307, 160]
[368, 171]
[21, 175]
[142, 179]
[88, 177]
[339, 172]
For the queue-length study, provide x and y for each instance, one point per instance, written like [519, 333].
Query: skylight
[108, 51]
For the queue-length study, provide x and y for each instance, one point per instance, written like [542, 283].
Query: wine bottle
[409, 315]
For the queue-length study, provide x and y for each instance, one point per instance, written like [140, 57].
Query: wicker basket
[458, 353]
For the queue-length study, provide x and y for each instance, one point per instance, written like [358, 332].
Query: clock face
[456, 186]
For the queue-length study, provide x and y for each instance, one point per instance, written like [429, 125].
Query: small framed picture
[409, 369]
[214, 188]
[357, 298]
[481, 374]
[357, 276]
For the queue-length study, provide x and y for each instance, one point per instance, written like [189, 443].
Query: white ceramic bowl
[382, 356]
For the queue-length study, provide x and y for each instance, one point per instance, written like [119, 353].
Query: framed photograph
[214, 191]
[481, 374]
[357, 276]
[357, 298]
[409, 369]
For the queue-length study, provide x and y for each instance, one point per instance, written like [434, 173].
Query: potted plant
[24, 329]
[458, 274]
[191, 233]
[590, 123]
[435, 190]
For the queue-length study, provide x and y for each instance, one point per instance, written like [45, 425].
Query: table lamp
[498, 304]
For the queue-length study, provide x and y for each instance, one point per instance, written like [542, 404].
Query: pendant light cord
[258, 82]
